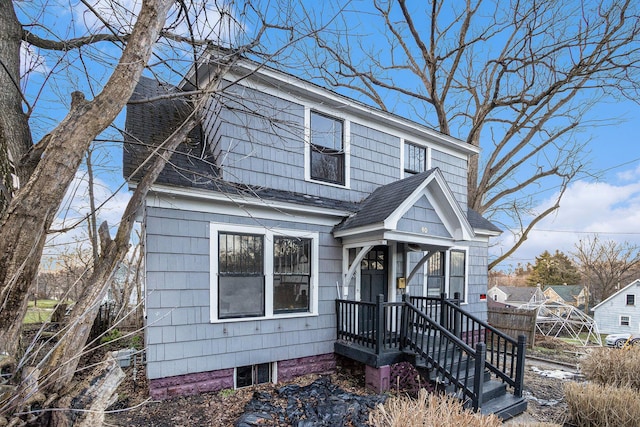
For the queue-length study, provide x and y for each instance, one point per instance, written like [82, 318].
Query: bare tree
[516, 78]
[44, 170]
[606, 265]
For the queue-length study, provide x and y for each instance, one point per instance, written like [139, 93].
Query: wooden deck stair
[452, 351]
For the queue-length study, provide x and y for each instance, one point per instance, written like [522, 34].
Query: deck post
[403, 322]
[519, 380]
[443, 311]
[457, 317]
[478, 376]
[379, 322]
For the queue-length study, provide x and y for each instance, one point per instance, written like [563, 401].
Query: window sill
[273, 317]
[330, 184]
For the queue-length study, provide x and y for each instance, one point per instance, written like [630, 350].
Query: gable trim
[635, 282]
[441, 200]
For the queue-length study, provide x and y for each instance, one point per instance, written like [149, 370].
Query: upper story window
[262, 273]
[631, 299]
[327, 149]
[415, 158]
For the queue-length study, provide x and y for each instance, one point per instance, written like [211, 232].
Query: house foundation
[203, 382]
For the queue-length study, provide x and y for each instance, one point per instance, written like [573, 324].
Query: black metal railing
[440, 331]
[453, 361]
[374, 325]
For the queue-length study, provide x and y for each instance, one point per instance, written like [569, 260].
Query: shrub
[428, 409]
[112, 335]
[614, 367]
[602, 405]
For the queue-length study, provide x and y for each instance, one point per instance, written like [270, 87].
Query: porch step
[495, 397]
[506, 406]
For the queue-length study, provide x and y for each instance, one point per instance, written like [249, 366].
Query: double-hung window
[262, 272]
[631, 299]
[327, 149]
[450, 278]
[435, 274]
[240, 275]
[457, 274]
[415, 158]
[291, 274]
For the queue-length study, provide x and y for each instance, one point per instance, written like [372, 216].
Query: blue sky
[607, 203]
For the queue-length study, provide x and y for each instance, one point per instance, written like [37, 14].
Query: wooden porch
[462, 353]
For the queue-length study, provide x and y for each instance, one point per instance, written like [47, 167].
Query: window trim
[465, 295]
[406, 143]
[268, 233]
[628, 320]
[633, 298]
[346, 147]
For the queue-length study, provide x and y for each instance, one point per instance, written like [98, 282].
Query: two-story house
[574, 295]
[287, 198]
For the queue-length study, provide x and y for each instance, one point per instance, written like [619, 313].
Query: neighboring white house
[515, 296]
[620, 312]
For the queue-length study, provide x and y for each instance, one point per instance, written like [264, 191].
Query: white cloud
[76, 206]
[31, 61]
[208, 20]
[611, 211]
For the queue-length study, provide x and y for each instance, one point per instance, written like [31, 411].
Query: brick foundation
[190, 384]
[292, 368]
[203, 382]
[377, 379]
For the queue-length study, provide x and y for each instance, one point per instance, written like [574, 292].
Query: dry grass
[428, 410]
[602, 405]
[614, 367]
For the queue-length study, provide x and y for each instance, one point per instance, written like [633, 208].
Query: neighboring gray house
[620, 312]
[515, 296]
[286, 198]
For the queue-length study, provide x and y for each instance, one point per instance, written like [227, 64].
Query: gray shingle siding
[180, 337]
[423, 215]
[454, 170]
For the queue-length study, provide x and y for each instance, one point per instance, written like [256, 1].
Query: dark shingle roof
[478, 222]
[148, 124]
[383, 201]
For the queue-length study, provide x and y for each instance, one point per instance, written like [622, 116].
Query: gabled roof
[623, 290]
[480, 223]
[518, 293]
[384, 208]
[383, 202]
[148, 124]
[566, 292]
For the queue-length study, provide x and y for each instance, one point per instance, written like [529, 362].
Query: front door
[373, 282]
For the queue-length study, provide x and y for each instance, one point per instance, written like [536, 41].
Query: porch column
[352, 268]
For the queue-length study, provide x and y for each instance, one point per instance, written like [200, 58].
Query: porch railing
[374, 325]
[433, 327]
[454, 361]
[505, 355]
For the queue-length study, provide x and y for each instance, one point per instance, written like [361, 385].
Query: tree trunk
[15, 136]
[85, 403]
[32, 210]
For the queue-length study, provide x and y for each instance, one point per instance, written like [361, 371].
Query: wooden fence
[514, 322]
